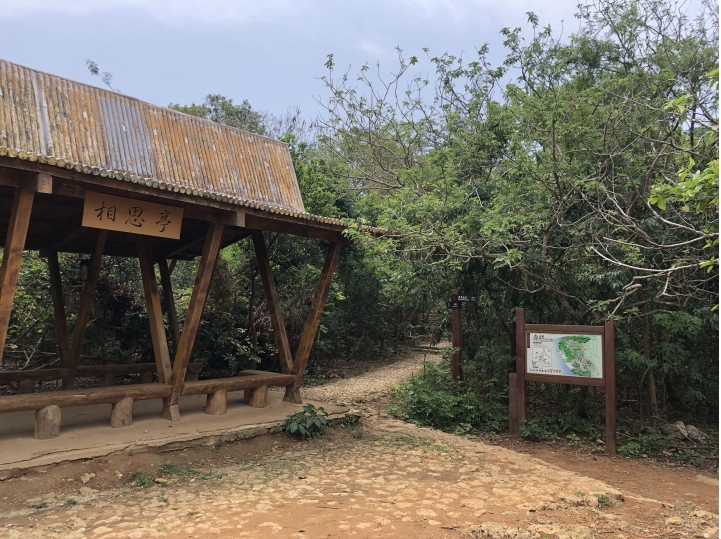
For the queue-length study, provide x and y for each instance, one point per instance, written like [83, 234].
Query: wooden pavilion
[85, 170]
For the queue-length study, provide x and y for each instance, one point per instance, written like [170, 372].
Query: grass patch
[40, 506]
[169, 469]
[141, 479]
[71, 501]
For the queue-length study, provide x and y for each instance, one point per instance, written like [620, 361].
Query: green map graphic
[581, 354]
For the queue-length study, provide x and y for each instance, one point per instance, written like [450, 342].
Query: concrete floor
[86, 431]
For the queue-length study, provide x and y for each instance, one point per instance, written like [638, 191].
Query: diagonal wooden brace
[86, 306]
[155, 315]
[12, 257]
[292, 392]
[192, 318]
[271, 299]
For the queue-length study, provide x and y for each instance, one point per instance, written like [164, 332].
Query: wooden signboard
[129, 215]
[577, 355]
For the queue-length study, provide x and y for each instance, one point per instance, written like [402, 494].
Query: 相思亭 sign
[130, 215]
[564, 354]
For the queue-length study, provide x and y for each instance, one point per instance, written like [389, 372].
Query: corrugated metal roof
[60, 122]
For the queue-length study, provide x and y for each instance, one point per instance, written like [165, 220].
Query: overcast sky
[270, 52]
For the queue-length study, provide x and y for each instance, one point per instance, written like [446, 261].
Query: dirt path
[378, 478]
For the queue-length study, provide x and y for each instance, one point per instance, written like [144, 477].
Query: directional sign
[464, 298]
[453, 304]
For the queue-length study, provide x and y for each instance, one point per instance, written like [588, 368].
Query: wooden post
[107, 379]
[25, 386]
[192, 318]
[609, 369]
[86, 305]
[292, 392]
[61, 324]
[456, 340]
[258, 397]
[47, 422]
[169, 302]
[12, 257]
[155, 315]
[271, 299]
[216, 403]
[512, 404]
[121, 414]
[520, 370]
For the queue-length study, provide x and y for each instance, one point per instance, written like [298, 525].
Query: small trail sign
[454, 304]
[463, 298]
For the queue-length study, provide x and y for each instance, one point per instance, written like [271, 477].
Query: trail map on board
[564, 355]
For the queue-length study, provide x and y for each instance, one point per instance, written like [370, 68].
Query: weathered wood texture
[244, 380]
[217, 402]
[82, 397]
[92, 371]
[456, 340]
[292, 392]
[121, 414]
[56, 292]
[271, 299]
[520, 370]
[169, 302]
[192, 318]
[47, 422]
[609, 370]
[512, 404]
[12, 257]
[155, 315]
[258, 397]
[86, 306]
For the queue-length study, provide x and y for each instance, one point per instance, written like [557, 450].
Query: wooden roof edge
[28, 162]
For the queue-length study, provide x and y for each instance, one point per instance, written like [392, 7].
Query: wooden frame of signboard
[517, 380]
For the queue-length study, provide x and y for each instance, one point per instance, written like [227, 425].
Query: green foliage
[220, 109]
[432, 398]
[168, 469]
[309, 423]
[141, 479]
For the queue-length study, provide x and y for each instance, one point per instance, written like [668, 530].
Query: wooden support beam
[12, 257]
[121, 414]
[216, 403]
[257, 397]
[56, 291]
[292, 392]
[25, 386]
[271, 299]
[192, 318]
[47, 422]
[169, 301]
[86, 306]
[155, 315]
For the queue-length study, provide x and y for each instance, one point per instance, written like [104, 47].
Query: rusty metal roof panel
[73, 125]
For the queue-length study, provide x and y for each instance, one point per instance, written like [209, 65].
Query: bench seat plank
[82, 397]
[245, 380]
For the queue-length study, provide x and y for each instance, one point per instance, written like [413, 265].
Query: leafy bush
[309, 423]
[434, 399]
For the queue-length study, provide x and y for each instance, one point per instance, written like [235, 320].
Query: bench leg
[122, 413]
[107, 379]
[47, 422]
[25, 386]
[217, 402]
[146, 377]
[170, 412]
[191, 376]
[258, 397]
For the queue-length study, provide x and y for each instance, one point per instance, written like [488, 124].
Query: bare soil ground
[376, 478]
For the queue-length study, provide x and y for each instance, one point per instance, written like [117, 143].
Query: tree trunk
[650, 379]
[579, 409]
[251, 313]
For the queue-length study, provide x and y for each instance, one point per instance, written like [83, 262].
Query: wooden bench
[47, 405]
[255, 384]
[26, 379]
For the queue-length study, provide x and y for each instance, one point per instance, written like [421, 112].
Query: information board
[130, 215]
[564, 354]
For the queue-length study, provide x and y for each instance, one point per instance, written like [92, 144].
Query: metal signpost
[577, 355]
[457, 300]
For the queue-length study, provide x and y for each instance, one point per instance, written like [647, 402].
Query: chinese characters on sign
[564, 354]
[130, 215]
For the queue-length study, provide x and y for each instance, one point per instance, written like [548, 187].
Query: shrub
[309, 423]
